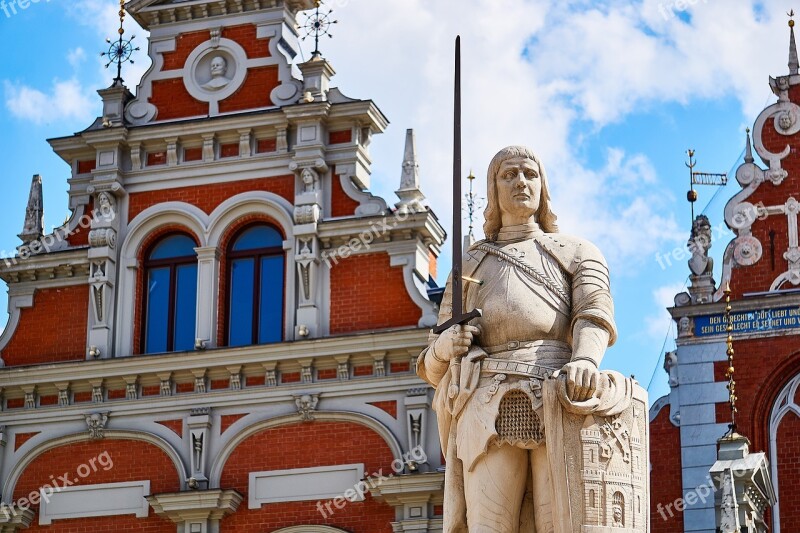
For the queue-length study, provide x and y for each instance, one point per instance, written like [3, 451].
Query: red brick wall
[390, 406]
[341, 204]
[22, 438]
[304, 446]
[208, 197]
[367, 293]
[254, 92]
[340, 137]
[175, 425]
[174, 101]
[184, 44]
[763, 366]
[226, 421]
[665, 477]
[245, 35]
[789, 470]
[53, 330]
[80, 237]
[132, 461]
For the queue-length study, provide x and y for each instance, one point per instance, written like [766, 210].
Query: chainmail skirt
[517, 423]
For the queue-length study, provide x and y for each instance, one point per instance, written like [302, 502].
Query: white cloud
[550, 74]
[658, 323]
[65, 100]
[76, 57]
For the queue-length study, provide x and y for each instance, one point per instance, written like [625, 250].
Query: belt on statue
[516, 368]
[543, 346]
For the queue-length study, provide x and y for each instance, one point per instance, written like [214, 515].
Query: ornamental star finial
[317, 24]
[120, 51]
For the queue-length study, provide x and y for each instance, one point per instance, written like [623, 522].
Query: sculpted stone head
[786, 121]
[218, 67]
[517, 183]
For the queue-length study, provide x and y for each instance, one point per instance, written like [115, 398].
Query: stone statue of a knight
[522, 407]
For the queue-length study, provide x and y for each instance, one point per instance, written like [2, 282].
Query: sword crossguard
[458, 320]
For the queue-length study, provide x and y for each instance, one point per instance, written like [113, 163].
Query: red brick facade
[665, 475]
[367, 293]
[341, 204]
[96, 462]
[305, 446]
[45, 334]
[208, 197]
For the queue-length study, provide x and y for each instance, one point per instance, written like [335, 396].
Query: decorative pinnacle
[120, 50]
[730, 371]
[748, 152]
[317, 24]
[794, 64]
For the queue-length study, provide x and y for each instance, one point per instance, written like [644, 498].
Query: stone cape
[619, 404]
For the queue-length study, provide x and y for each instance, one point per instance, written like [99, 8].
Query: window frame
[173, 263]
[257, 254]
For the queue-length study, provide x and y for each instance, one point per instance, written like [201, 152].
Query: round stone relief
[747, 251]
[787, 119]
[214, 73]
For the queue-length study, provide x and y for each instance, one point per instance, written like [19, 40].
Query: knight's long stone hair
[544, 216]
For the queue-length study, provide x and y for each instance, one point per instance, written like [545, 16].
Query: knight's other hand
[582, 380]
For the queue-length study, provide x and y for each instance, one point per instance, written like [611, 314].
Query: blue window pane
[174, 246]
[258, 237]
[157, 317]
[185, 307]
[270, 320]
[241, 313]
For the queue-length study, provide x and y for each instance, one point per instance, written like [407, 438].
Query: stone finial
[748, 151]
[794, 64]
[34, 213]
[409, 193]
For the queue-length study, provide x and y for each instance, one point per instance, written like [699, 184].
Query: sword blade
[457, 283]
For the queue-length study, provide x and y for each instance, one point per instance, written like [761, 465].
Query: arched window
[255, 286]
[171, 297]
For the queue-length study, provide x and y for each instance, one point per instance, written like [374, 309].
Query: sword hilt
[458, 320]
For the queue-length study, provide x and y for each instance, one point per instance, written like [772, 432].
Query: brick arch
[147, 243]
[117, 458]
[231, 231]
[307, 445]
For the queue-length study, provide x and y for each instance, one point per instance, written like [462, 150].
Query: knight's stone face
[519, 186]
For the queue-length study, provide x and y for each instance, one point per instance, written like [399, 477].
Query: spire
[748, 151]
[794, 64]
[409, 193]
[34, 213]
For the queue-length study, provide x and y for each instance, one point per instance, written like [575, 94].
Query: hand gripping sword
[458, 315]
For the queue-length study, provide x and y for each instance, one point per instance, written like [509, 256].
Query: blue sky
[609, 93]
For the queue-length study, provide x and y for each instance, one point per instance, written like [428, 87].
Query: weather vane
[120, 51]
[790, 14]
[730, 371]
[701, 178]
[317, 24]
